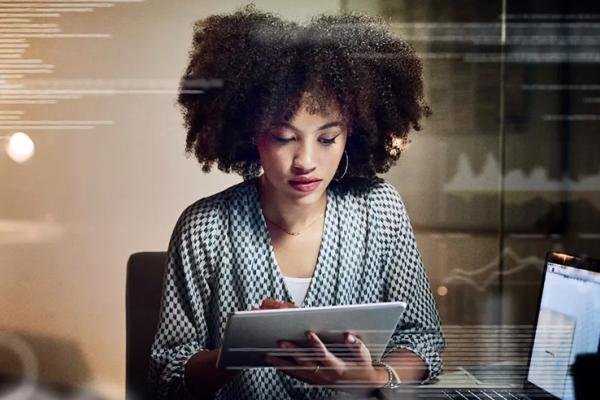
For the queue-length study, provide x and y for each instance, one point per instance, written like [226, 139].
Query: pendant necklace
[296, 233]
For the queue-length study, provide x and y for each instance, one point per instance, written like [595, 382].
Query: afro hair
[249, 69]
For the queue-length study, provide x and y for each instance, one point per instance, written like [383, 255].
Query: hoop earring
[345, 167]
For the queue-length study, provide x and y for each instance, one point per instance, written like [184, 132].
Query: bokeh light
[442, 290]
[20, 147]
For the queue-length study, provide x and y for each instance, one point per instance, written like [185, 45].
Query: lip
[305, 185]
[305, 179]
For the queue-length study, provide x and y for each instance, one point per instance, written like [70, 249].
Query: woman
[320, 109]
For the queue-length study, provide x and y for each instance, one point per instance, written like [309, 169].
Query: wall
[71, 216]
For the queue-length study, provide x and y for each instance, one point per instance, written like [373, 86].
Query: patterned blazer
[220, 259]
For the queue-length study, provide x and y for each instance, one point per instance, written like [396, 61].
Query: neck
[284, 212]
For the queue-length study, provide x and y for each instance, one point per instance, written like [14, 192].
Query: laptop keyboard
[484, 394]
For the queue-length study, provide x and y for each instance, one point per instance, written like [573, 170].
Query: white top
[297, 288]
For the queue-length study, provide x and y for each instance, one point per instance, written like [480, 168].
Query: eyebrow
[327, 125]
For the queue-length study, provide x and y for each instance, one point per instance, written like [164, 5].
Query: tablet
[250, 335]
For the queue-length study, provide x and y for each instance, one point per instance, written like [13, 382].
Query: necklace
[296, 233]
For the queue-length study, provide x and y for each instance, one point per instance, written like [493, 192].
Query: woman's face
[300, 157]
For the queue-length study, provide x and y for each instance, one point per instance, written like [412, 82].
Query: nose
[303, 159]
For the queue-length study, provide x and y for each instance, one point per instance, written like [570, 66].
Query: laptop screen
[568, 325]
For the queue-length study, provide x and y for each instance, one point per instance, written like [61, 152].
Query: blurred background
[92, 166]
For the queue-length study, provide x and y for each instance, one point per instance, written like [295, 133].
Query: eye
[281, 140]
[328, 141]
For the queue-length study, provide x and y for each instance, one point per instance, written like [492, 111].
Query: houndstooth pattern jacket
[220, 259]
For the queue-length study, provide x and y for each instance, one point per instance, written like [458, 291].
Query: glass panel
[507, 168]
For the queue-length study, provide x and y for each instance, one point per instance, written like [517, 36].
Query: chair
[145, 275]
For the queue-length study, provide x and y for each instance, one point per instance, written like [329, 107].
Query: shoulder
[379, 201]
[210, 213]
[376, 193]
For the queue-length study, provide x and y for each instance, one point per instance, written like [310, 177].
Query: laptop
[567, 325]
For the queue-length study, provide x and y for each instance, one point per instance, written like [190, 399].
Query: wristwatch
[393, 378]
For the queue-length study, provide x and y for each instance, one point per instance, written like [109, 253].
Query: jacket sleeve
[405, 280]
[182, 328]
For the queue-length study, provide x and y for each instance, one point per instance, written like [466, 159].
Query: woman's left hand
[324, 368]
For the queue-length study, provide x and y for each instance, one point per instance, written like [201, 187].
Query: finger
[300, 355]
[266, 303]
[270, 304]
[360, 352]
[287, 304]
[286, 365]
[303, 373]
[322, 355]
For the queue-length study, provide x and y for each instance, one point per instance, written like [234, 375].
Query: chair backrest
[145, 275]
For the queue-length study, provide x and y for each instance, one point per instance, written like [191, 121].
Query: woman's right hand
[272, 304]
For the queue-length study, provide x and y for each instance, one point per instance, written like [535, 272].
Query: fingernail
[284, 345]
[309, 335]
[350, 338]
